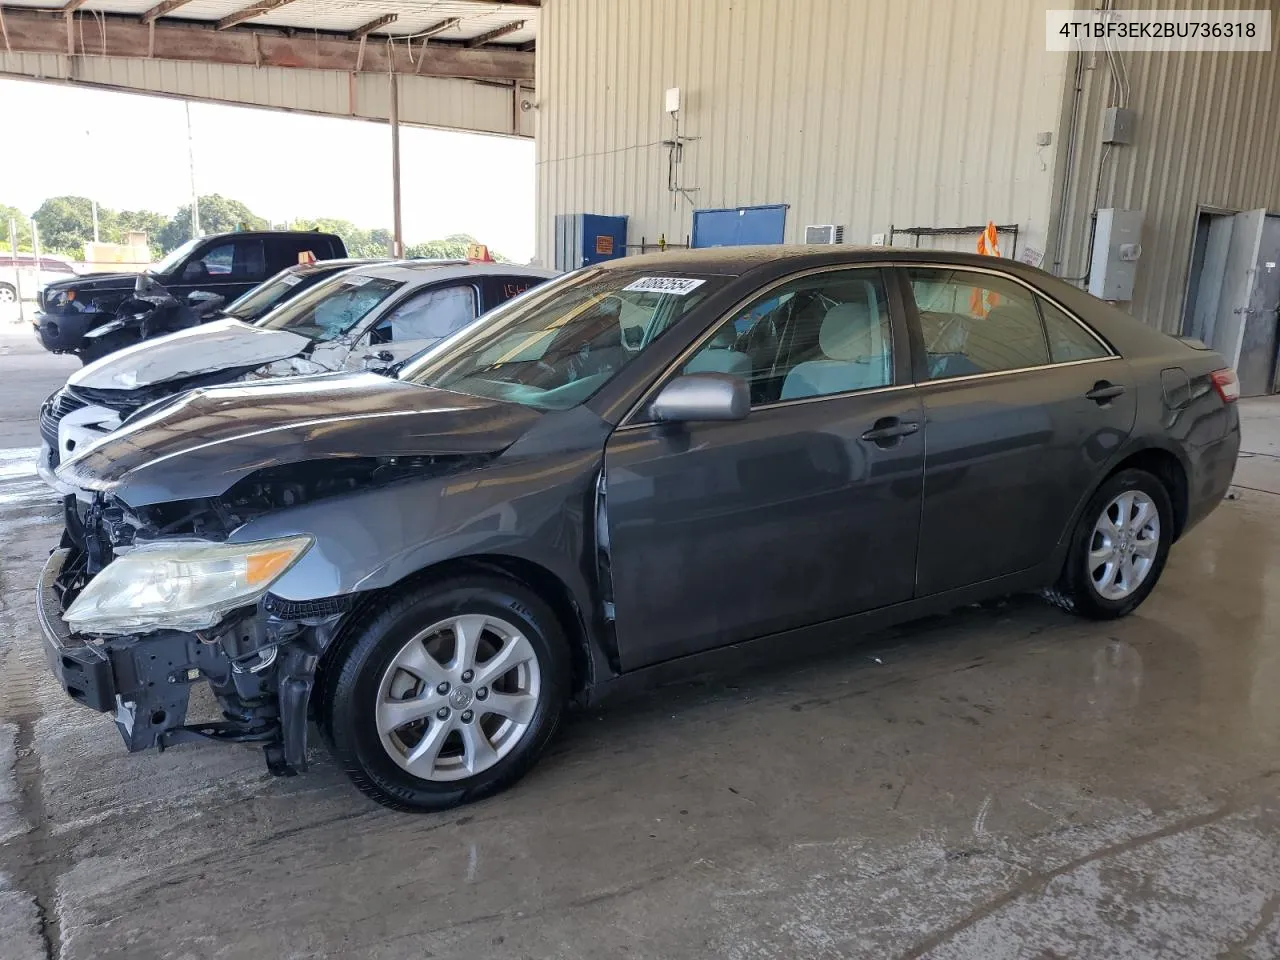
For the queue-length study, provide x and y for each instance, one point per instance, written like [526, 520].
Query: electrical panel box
[1117, 246]
[1118, 125]
[586, 238]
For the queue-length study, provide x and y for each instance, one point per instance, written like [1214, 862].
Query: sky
[130, 152]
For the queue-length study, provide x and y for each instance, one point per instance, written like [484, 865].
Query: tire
[371, 680]
[1088, 592]
[8, 294]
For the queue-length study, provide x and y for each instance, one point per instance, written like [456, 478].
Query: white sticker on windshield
[291, 281]
[357, 281]
[679, 286]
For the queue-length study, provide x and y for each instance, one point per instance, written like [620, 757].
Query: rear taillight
[1225, 382]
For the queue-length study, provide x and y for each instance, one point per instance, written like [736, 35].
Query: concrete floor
[1004, 782]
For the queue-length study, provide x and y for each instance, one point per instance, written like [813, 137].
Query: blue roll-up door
[739, 225]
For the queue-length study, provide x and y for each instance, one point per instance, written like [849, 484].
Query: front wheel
[8, 294]
[1118, 549]
[448, 694]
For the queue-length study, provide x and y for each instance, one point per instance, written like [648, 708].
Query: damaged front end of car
[137, 605]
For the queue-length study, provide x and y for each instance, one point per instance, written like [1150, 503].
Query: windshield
[175, 257]
[558, 344]
[263, 297]
[332, 307]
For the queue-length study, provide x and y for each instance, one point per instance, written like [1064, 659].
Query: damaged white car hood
[203, 349]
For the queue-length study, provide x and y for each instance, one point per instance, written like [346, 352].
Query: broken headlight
[180, 584]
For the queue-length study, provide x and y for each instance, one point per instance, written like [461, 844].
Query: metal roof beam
[256, 9]
[45, 32]
[71, 5]
[494, 34]
[372, 25]
[162, 10]
[437, 28]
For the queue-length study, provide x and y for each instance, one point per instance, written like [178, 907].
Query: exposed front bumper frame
[146, 680]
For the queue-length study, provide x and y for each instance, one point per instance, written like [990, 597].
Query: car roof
[735, 261]
[269, 233]
[341, 263]
[423, 271]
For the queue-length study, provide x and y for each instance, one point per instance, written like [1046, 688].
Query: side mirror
[633, 337]
[702, 396]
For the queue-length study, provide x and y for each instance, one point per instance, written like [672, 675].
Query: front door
[806, 510]
[420, 320]
[1022, 406]
[230, 268]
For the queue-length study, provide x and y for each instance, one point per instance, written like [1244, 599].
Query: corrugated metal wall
[1208, 133]
[865, 114]
[427, 101]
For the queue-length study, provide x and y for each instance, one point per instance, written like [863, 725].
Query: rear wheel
[1118, 549]
[8, 294]
[448, 694]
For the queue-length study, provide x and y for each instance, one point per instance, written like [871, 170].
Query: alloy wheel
[1124, 544]
[458, 697]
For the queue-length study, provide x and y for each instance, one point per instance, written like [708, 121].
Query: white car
[21, 272]
[367, 318]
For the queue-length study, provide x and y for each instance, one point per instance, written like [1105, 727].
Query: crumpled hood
[217, 345]
[200, 443]
[95, 282]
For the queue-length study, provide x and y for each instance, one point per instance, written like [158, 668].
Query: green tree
[24, 227]
[359, 242]
[218, 214]
[452, 247]
[66, 224]
[148, 221]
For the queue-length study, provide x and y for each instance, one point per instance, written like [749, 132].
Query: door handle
[1104, 392]
[889, 430]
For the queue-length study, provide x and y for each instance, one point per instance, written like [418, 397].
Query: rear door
[419, 320]
[497, 290]
[1022, 405]
[291, 249]
[806, 510]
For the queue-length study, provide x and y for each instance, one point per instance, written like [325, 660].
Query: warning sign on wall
[604, 246]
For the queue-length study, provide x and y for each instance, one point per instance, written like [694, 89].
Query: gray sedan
[634, 470]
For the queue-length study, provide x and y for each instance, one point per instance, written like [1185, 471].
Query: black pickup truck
[226, 264]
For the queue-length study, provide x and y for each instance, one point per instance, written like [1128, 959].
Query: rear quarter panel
[1178, 408]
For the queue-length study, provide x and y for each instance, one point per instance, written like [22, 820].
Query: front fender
[540, 513]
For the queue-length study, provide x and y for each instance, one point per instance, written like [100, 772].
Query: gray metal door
[1256, 368]
[1238, 277]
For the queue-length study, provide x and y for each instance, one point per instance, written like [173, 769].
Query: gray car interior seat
[719, 356]
[855, 354]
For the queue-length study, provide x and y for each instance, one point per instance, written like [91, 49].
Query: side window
[236, 260]
[500, 289]
[291, 250]
[813, 337]
[976, 323]
[429, 315]
[1067, 339]
[214, 263]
